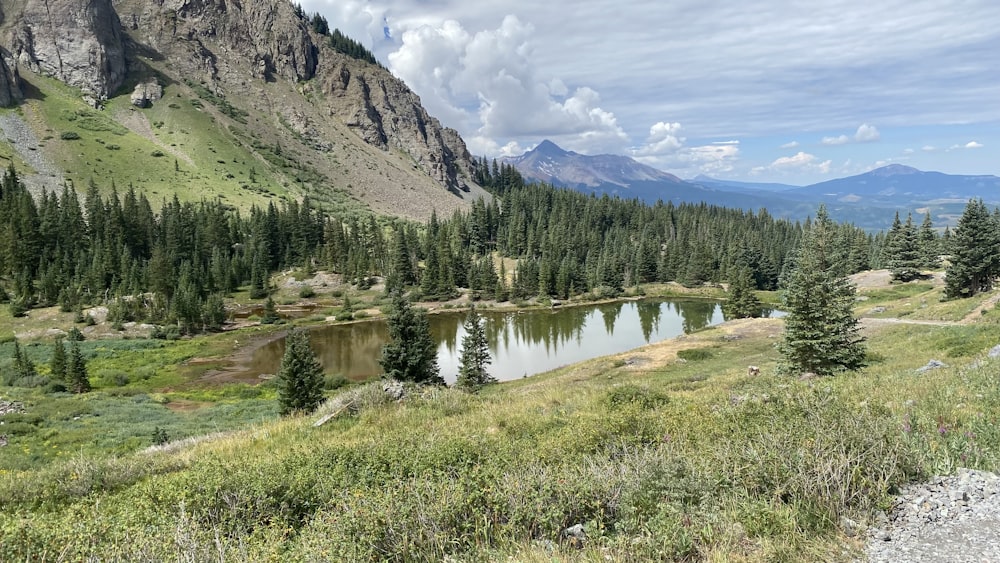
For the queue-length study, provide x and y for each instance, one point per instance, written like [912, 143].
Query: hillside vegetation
[667, 452]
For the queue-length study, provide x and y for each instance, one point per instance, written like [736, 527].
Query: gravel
[948, 519]
[20, 136]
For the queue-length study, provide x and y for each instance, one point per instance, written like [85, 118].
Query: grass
[657, 459]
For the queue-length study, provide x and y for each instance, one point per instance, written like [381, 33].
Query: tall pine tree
[410, 354]
[76, 370]
[975, 252]
[475, 354]
[300, 378]
[821, 333]
[741, 301]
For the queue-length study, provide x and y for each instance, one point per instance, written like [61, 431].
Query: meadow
[667, 452]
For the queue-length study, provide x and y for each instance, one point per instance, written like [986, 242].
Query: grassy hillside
[670, 451]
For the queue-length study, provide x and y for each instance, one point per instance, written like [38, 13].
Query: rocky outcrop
[146, 93]
[79, 42]
[387, 114]
[10, 91]
[224, 43]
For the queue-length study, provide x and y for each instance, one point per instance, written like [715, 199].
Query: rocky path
[953, 519]
[47, 175]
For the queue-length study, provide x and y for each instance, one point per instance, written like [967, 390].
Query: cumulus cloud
[799, 162]
[973, 145]
[840, 140]
[790, 145]
[486, 84]
[665, 149]
[866, 134]
[928, 148]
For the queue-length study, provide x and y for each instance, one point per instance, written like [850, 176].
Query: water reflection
[522, 343]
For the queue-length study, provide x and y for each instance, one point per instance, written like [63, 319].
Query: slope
[246, 116]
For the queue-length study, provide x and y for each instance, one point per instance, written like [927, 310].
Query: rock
[849, 526]
[79, 42]
[994, 352]
[394, 389]
[146, 93]
[753, 371]
[11, 407]
[933, 364]
[10, 88]
[575, 535]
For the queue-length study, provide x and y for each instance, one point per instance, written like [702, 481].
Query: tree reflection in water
[522, 343]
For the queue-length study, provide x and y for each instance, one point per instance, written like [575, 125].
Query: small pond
[521, 343]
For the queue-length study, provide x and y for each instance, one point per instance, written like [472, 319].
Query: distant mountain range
[869, 200]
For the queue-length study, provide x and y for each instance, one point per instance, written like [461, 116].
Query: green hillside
[673, 454]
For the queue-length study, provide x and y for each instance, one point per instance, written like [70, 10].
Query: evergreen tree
[821, 333]
[742, 302]
[270, 315]
[975, 253]
[475, 354]
[24, 368]
[300, 378]
[410, 354]
[902, 253]
[76, 370]
[927, 241]
[57, 365]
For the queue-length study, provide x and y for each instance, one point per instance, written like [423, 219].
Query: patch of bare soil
[661, 353]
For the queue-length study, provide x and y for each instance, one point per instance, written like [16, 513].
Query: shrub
[694, 354]
[69, 136]
[306, 292]
[643, 397]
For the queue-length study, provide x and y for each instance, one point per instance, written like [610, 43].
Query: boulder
[146, 93]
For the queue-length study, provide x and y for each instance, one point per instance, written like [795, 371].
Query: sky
[783, 91]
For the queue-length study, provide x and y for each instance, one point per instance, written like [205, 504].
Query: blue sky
[775, 91]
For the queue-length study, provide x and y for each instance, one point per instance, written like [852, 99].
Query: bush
[642, 397]
[306, 292]
[69, 136]
[156, 153]
[694, 354]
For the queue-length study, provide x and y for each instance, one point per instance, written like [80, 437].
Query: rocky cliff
[260, 60]
[230, 45]
[79, 42]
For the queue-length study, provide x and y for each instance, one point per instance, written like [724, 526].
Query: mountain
[740, 186]
[606, 172]
[247, 101]
[897, 184]
[868, 200]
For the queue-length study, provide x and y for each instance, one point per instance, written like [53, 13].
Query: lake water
[521, 343]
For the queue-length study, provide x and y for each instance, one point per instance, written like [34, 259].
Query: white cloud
[487, 84]
[908, 151]
[790, 145]
[799, 162]
[866, 134]
[665, 149]
[841, 140]
[928, 148]
[973, 145]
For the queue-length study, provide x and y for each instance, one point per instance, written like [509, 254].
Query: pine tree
[742, 302]
[57, 365]
[821, 332]
[300, 378]
[902, 253]
[270, 315]
[475, 354]
[24, 368]
[76, 370]
[410, 354]
[975, 253]
[927, 241]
